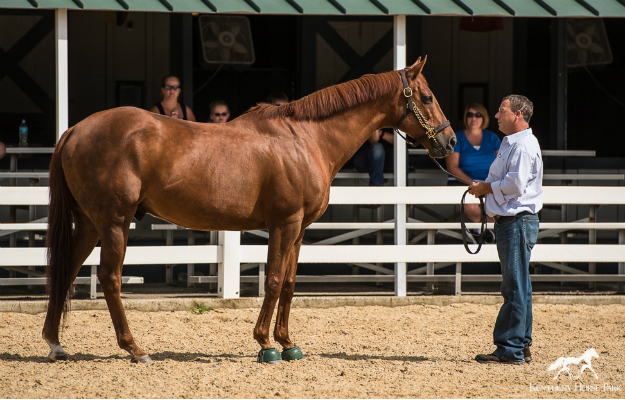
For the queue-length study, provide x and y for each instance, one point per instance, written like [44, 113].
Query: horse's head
[590, 353]
[433, 116]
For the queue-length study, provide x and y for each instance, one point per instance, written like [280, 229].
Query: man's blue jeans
[372, 161]
[513, 330]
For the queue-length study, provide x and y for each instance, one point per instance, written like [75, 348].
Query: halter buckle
[409, 94]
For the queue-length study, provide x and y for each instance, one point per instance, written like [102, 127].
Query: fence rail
[229, 254]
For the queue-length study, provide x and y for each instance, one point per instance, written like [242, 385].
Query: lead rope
[463, 226]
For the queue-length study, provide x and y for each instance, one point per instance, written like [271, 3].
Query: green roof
[505, 8]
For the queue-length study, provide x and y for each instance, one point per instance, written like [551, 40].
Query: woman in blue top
[476, 149]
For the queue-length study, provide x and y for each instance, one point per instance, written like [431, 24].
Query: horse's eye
[427, 99]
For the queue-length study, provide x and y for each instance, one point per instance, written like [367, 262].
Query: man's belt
[502, 219]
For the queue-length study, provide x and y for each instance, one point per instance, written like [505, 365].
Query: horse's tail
[59, 236]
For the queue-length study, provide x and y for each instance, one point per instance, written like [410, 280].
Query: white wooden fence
[229, 254]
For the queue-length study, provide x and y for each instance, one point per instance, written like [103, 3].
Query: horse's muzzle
[444, 149]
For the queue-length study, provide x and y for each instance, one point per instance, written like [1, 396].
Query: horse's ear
[416, 68]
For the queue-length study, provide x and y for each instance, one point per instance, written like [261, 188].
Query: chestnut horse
[271, 168]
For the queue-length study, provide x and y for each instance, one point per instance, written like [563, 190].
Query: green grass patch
[199, 308]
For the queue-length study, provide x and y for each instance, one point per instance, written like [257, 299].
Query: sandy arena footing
[354, 347]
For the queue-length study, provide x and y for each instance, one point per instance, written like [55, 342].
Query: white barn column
[399, 60]
[229, 269]
[62, 78]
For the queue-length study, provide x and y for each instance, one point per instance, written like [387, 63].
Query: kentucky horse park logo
[582, 363]
[563, 364]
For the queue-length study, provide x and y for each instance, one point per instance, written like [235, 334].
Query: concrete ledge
[163, 304]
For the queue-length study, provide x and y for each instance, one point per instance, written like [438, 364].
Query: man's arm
[515, 181]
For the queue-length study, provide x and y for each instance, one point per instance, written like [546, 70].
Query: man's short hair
[521, 103]
[275, 96]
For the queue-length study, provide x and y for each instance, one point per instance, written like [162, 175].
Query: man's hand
[480, 188]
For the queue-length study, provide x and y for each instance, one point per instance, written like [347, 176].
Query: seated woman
[476, 148]
[169, 105]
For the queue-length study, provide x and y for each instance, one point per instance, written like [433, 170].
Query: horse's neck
[339, 136]
[588, 355]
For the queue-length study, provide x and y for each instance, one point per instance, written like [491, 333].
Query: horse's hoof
[292, 353]
[269, 356]
[142, 360]
[58, 355]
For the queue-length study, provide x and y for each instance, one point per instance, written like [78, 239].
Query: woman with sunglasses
[476, 148]
[169, 105]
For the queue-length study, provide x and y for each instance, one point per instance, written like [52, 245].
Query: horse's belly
[204, 213]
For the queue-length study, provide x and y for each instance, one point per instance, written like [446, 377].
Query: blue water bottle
[23, 134]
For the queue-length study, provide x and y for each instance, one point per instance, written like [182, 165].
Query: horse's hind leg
[114, 240]
[281, 331]
[84, 239]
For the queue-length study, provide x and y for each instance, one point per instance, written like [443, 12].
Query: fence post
[169, 269]
[62, 74]
[399, 62]
[229, 270]
[621, 265]
[213, 267]
[94, 282]
[261, 280]
[592, 239]
[31, 234]
[190, 267]
[430, 266]
[458, 279]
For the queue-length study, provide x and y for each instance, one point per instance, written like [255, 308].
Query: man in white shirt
[513, 192]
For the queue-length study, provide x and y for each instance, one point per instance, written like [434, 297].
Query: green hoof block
[269, 356]
[292, 353]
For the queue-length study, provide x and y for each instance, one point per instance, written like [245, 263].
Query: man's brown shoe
[491, 358]
[527, 355]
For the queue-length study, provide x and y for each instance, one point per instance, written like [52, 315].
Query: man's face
[220, 114]
[279, 102]
[506, 118]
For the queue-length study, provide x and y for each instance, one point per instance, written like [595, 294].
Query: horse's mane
[331, 100]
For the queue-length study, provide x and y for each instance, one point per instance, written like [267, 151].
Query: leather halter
[430, 133]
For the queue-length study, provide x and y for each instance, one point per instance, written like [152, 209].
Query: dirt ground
[350, 352]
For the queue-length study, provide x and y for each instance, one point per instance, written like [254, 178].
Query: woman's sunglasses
[474, 114]
[172, 87]
[223, 114]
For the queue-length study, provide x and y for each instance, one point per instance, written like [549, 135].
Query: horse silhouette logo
[563, 364]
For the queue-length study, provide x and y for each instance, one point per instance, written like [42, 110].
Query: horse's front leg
[282, 238]
[281, 331]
